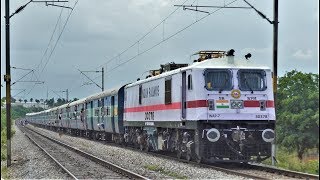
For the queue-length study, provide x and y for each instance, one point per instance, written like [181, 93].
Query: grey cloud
[100, 30]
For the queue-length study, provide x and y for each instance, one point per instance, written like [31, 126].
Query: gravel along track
[147, 165]
[249, 171]
[29, 162]
[81, 167]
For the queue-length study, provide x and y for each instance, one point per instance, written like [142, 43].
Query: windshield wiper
[246, 82]
[222, 88]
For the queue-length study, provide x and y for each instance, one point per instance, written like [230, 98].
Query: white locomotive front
[215, 109]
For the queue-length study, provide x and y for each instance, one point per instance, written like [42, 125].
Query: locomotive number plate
[252, 98]
[149, 116]
[214, 115]
[261, 116]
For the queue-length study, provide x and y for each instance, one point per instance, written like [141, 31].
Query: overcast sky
[99, 30]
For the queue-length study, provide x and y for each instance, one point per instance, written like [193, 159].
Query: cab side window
[189, 82]
[167, 89]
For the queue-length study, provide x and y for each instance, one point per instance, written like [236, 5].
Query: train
[217, 109]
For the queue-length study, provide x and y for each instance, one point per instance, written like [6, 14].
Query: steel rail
[221, 169]
[229, 171]
[226, 170]
[254, 166]
[47, 153]
[108, 164]
[283, 171]
[218, 167]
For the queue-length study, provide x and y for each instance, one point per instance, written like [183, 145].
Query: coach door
[112, 113]
[90, 115]
[183, 97]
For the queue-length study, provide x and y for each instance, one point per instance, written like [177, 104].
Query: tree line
[50, 102]
[297, 125]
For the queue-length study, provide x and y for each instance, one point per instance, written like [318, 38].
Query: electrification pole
[275, 69]
[275, 49]
[7, 78]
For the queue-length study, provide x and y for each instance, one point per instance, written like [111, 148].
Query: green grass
[4, 143]
[163, 171]
[4, 170]
[290, 160]
[4, 173]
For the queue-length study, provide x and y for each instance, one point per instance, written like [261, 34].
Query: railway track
[285, 172]
[251, 171]
[78, 164]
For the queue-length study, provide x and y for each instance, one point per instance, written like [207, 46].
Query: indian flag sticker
[222, 103]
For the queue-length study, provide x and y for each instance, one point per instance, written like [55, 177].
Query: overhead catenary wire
[22, 77]
[51, 38]
[30, 90]
[48, 59]
[34, 76]
[90, 79]
[142, 52]
[19, 93]
[145, 35]
[169, 37]
[57, 94]
[63, 28]
[83, 84]
[137, 42]
[54, 30]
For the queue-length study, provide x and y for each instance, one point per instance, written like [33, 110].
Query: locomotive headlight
[213, 135]
[268, 135]
[236, 104]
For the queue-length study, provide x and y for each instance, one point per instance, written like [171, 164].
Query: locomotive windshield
[252, 80]
[218, 80]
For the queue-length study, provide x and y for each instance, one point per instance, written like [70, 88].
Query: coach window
[140, 94]
[167, 94]
[108, 111]
[189, 82]
[96, 112]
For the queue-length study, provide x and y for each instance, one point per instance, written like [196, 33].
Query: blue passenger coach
[97, 116]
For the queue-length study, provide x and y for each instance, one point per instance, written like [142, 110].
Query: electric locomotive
[217, 109]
